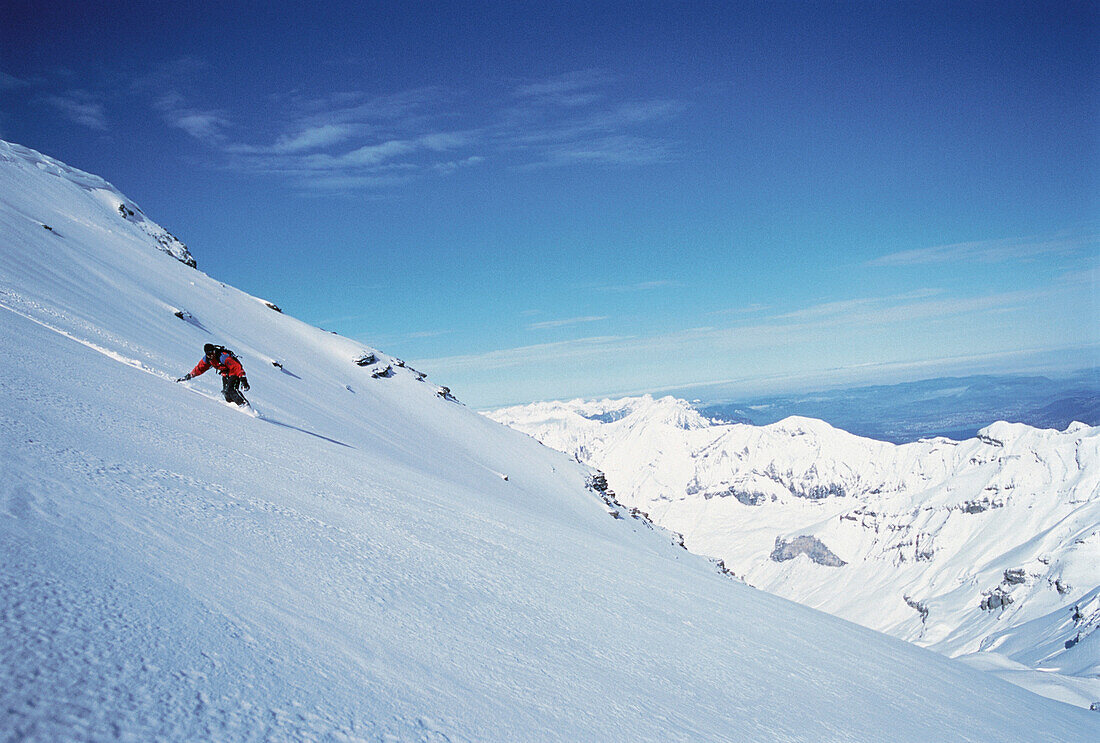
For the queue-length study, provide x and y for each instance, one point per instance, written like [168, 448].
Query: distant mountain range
[955, 407]
[987, 547]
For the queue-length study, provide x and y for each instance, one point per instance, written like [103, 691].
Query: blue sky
[605, 198]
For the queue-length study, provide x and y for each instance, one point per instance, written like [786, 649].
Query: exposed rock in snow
[811, 547]
[998, 598]
[919, 606]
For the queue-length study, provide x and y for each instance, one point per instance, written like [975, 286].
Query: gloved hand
[184, 378]
[244, 384]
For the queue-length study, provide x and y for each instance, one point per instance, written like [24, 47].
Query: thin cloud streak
[569, 120]
[641, 286]
[563, 323]
[312, 138]
[11, 82]
[992, 251]
[790, 329]
[204, 125]
[609, 150]
[80, 106]
[848, 307]
[537, 353]
[751, 309]
[200, 125]
[565, 85]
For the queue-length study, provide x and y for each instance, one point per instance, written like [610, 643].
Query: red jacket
[226, 365]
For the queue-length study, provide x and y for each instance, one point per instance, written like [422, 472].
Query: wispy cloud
[565, 322]
[446, 141]
[919, 306]
[607, 150]
[10, 82]
[428, 334]
[312, 138]
[569, 88]
[576, 118]
[993, 251]
[452, 165]
[354, 140]
[749, 309]
[1084, 277]
[540, 353]
[80, 106]
[807, 328]
[350, 141]
[201, 124]
[336, 183]
[852, 307]
[405, 110]
[373, 154]
[640, 286]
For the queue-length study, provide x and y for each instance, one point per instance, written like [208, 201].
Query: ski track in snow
[249, 409]
[89, 344]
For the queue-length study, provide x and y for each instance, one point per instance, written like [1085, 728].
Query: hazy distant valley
[954, 407]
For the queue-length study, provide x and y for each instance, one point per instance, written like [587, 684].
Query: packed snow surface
[363, 559]
[990, 544]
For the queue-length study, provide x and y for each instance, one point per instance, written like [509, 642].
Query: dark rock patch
[812, 547]
[998, 598]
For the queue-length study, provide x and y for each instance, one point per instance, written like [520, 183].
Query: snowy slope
[367, 560]
[990, 544]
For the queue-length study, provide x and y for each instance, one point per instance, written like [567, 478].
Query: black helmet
[209, 349]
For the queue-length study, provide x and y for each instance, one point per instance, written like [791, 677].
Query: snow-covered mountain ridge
[366, 560]
[989, 544]
[133, 223]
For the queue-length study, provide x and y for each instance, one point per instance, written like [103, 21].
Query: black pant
[231, 392]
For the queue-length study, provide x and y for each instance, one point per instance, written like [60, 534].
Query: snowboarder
[228, 365]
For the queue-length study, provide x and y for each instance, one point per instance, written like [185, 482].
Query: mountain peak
[667, 411]
[796, 425]
[89, 201]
